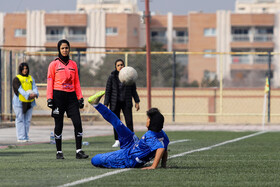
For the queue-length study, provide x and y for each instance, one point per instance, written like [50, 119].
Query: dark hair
[65, 59]
[60, 43]
[118, 60]
[21, 67]
[156, 120]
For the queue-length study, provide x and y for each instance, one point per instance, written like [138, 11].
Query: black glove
[81, 103]
[50, 103]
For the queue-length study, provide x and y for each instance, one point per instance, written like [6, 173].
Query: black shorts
[65, 102]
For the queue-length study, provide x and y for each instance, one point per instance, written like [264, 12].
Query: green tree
[39, 68]
[161, 68]
[207, 81]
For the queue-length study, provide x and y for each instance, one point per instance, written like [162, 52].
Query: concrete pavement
[40, 132]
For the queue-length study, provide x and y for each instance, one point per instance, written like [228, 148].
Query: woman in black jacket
[119, 97]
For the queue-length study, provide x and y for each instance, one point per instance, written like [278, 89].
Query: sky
[177, 7]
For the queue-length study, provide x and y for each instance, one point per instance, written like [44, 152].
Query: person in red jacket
[64, 95]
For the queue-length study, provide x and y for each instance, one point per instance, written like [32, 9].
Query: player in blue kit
[134, 153]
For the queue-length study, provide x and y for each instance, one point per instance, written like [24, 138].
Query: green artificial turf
[253, 161]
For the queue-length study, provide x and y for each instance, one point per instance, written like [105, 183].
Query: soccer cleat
[94, 99]
[116, 144]
[22, 141]
[59, 156]
[81, 155]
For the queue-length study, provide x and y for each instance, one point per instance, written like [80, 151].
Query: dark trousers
[127, 112]
[66, 102]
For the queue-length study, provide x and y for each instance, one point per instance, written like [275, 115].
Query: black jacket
[111, 95]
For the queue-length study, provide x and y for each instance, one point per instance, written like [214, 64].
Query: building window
[20, 32]
[77, 30]
[158, 33]
[241, 58]
[159, 36]
[181, 36]
[54, 30]
[241, 30]
[240, 34]
[111, 1]
[264, 30]
[209, 55]
[210, 32]
[127, 10]
[54, 34]
[181, 33]
[241, 9]
[111, 31]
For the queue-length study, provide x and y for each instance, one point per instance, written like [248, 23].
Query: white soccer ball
[128, 75]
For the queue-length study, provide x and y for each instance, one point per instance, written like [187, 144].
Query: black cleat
[59, 156]
[81, 155]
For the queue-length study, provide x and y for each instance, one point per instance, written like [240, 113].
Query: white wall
[35, 30]
[169, 31]
[2, 28]
[276, 58]
[223, 39]
[96, 37]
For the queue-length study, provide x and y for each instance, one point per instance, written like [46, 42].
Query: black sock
[58, 144]
[78, 142]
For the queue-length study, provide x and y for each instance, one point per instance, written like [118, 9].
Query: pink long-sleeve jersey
[63, 77]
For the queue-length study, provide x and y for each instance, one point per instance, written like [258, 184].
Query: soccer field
[196, 158]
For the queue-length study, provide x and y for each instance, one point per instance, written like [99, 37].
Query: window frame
[209, 32]
[111, 31]
[19, 32]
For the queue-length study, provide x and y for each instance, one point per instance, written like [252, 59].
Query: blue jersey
[135, 153]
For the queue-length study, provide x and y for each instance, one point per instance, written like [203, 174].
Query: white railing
[54, 38]
[240, 59]
[181, 39]
[250, 59]
[260, 59]
[71, 38]
[263, 37]
[160, 39]
[252, 38]
[77, 38]
[240, 37]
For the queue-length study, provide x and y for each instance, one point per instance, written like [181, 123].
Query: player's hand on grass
[150, 167]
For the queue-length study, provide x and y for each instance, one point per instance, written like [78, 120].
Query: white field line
[173, 156]
[217, 145]
[95, 178]
[179, 141]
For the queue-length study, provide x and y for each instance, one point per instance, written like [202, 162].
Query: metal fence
[188, 87]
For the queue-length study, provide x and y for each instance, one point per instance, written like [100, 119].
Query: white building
[112, 6]
[257, 6]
